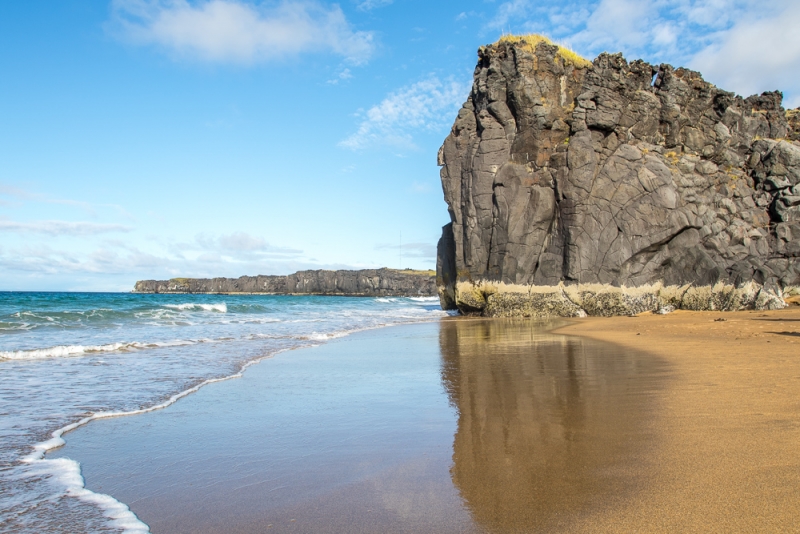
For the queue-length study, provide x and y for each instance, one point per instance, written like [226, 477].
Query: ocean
[69, 358]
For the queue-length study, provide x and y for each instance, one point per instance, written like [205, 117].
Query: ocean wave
[324, 336]
[65, 351]
[16, 326]
[82, 336]
[196, 306]
[424, 299]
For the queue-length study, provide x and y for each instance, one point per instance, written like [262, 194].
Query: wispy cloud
[59, 228]
[343, 75]
[88, 207]
[241, 243]
[239, 32]
[368, 5]
[506, 12]
[427, 105]
[129, 263]
[412, 250]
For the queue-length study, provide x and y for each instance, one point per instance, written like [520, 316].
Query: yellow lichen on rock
[532, 40]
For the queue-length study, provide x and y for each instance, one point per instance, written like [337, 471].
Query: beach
[649, 424]
[728, 430]
[69, 359]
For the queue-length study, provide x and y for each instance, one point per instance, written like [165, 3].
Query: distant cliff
[364, 283]
[560, 171]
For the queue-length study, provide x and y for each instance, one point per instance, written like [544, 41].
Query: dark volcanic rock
[364, 283]
[616, 173]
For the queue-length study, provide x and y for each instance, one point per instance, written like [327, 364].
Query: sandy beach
[645, 424]
[727, 455]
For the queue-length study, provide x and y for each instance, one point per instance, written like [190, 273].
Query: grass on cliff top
[429, 272]
[532, 40]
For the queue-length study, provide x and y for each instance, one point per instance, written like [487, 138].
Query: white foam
[424, 299]
[221, 308]
[60, 351]
[315, 336]
[64, 351]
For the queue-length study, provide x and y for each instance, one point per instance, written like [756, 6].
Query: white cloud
[507, 13]
[756, 55]
[343, 75]
[231, 255]
[368, 5]
[618, 23]
[240, 32]
[28, 196]
[238, 246]
[43, 259]
[242, 242]
[58, 228]
[427, 105]
[412, 250]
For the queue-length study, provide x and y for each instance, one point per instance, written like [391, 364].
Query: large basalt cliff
[560, 171]
[364, 283]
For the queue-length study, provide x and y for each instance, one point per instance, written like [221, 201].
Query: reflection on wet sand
[549, 427]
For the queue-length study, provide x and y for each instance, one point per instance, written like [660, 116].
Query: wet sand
[459, 426]
[727, 453]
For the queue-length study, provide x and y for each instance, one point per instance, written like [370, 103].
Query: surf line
[68, 472]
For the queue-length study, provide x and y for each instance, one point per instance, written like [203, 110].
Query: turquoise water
[67, 357]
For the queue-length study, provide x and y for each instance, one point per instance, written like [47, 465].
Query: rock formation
[364, 283]
[561, 171]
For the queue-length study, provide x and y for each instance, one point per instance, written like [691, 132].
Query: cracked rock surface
[616, 173]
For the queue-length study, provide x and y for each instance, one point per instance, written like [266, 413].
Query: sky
[150, 139]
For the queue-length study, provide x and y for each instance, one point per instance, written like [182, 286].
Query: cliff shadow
[550, 427]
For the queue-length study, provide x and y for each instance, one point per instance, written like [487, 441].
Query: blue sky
[160, 138]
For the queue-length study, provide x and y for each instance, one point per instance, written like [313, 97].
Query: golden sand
[727, 457]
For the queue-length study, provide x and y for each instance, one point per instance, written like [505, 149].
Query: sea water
[69, 358]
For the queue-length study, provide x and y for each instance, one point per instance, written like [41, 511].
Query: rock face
[563, 171]
[365, 283]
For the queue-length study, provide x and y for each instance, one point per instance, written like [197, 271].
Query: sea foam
[63, 351]
[194, 306]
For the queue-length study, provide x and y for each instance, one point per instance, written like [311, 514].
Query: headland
[364, 283]
[611, 178]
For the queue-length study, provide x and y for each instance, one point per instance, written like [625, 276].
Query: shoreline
[69, 472]
[713, 464]
[353, 432]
